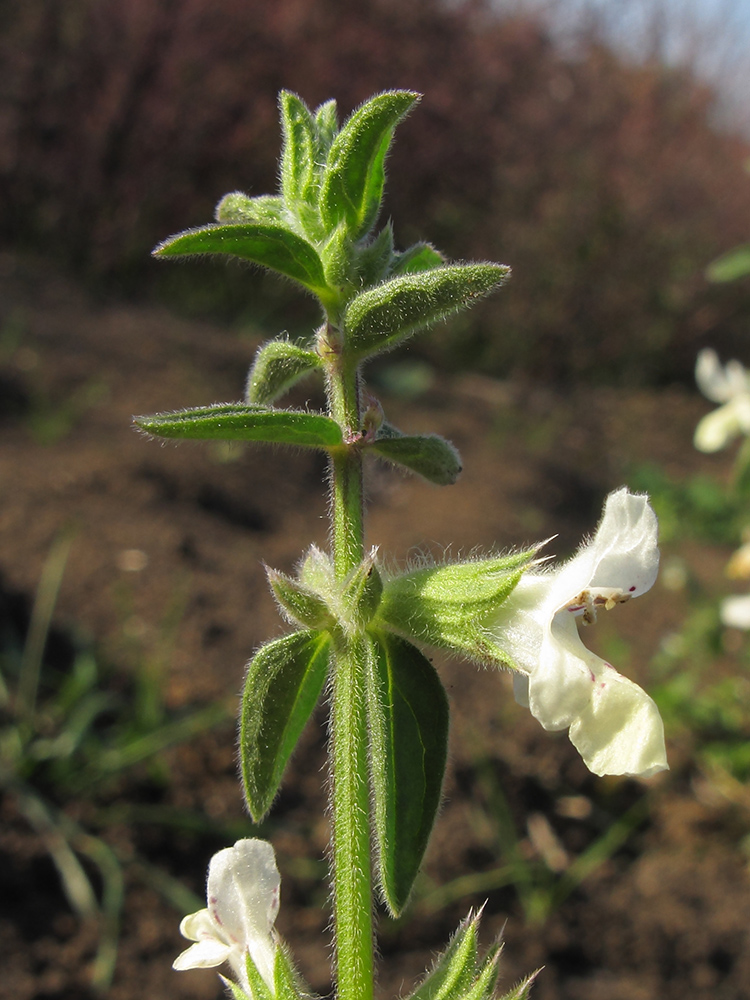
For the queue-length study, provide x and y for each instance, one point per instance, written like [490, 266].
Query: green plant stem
[347, 518]
[346, 471]
[350, 804]
[352, 880]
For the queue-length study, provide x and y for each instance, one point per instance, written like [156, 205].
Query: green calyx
[447, 606]
[300, 603]
[317, 599]
[460, 974]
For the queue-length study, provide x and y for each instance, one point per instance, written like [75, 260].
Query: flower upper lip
[613, 723]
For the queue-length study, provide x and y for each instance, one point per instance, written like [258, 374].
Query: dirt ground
[666, 914]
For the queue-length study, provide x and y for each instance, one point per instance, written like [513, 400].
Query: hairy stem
[352, 881]
[347, 513]
[350, 799]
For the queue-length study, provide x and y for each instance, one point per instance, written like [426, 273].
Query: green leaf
[274, 247]
[373, 259]
[278, 365]
[326, 126]
[300, 602]
[361, 592]
[429, 455]
[240, 422]
[299, 149]
[238, 207]
[419, 257]
[455, 969]
[337, 258]
[283, 683]
[731, 265]
[352, 187]
[408, 723]
[383, 316]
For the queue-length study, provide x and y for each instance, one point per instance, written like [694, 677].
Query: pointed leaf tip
[352, 186]
[381, 317]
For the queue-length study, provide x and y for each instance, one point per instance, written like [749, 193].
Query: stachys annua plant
[356, 631]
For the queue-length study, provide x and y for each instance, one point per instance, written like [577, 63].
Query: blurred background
[599, 147]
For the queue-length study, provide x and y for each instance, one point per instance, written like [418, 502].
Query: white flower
[614, 725]
[243, 900]
[735, 611]
[729, 386]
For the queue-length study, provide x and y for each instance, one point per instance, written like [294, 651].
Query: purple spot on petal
[631, 589]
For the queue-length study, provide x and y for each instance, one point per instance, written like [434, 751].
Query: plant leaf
[428, 455]
[373, 259]
[408, 722]
[419, 257]
[274, 247]
[326, 126]
[237, 207]
[383, 316]
[241, 422]
[282, 686]
[337, 257]
[278, 365]
[299, 148]
[352, 187]
[733, 264]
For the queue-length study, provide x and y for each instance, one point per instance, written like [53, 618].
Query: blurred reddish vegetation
[604, 184]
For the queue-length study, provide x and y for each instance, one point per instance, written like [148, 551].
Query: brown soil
[665, 915]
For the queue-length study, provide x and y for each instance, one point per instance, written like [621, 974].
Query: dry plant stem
[352, 879]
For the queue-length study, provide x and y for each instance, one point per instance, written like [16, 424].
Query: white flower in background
[729, 386]
[614, 724]
[735, 610]
[243, 900]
